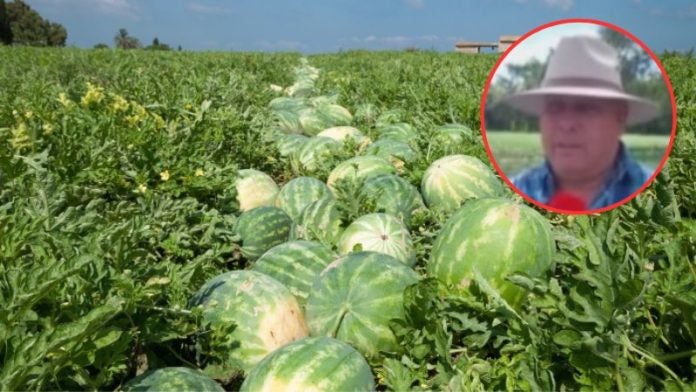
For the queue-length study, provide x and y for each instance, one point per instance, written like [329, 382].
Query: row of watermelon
[320, 294]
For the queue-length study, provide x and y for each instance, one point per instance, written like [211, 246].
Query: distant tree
[179, 48]
[101, 45]
[156, 45]
[5, 31]
[56, 35]
[635, 62]
[123, 40]
[29, 28]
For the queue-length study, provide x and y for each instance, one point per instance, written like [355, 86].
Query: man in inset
[583, 110]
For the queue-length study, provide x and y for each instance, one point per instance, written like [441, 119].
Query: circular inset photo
[578, 116]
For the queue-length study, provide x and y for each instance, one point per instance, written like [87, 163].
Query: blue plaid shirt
[625, 178]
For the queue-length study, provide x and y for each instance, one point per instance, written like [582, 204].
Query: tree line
[22, 25]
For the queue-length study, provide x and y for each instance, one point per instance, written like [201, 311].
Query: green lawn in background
[515, 151]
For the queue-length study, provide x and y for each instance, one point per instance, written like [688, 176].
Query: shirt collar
[615, 175]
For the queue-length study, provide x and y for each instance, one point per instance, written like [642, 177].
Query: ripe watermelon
[321, 220]
[295, 264]
[391, 149]
[393, 195]
[316, 150]
[298, 193]
[311, 122]
[288, 121]
[382, 233]
[262, 228]
[280, 104]
[452, 133]
[340, 134]
[334, 115]
[255, 189]
[173, 379]
[312, 364]
[359, 168]
[290, 145]
[354, 298]
[495, 237]
[399, 131]
[452, 179]
[266, 314]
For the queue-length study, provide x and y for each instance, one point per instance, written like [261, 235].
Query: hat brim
[532, 101]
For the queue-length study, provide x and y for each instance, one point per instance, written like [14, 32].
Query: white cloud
[201, 8]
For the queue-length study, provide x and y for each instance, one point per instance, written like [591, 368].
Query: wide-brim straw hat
[583, 66]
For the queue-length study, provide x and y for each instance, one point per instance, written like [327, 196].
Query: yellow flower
[199, 173]
[142, 188]
[159, 121]
[164, 175]
[188, 106]
[64, 100]
[20, 137]
[94, 95]
[119, 104]
[29, 114]
[47, 128]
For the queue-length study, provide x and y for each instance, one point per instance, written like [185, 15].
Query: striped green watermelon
[311, 122]
[312, 364]
[255, 189]
[267, 316]
[301, 88]
[289, 145]
[320, 100]
[321, 220]
[393, 195]
[334, 115]
[359, 168]
[390, 149]
[316, 150]
[179, 379]
[452, 179]
[354, 299]
[341, 133]
[288, 121]
[295, 264]
[287, 104]
[452, 133]
[495, 237]
[382, 233]
[399, 131]
[298, 193]
[262, 228]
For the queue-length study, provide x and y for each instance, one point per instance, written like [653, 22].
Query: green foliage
[117, 203]
[27, 27]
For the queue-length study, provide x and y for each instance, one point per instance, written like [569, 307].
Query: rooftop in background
[503, 43]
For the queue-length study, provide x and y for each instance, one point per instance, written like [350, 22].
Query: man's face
[580, 136]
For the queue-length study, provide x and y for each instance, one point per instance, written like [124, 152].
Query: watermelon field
[273, 221]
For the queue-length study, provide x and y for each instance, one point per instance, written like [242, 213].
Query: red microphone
[567, 201]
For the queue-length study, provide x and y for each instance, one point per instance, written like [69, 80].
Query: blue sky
[314, 26]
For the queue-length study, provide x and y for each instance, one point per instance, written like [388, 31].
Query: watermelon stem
[334, 330]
